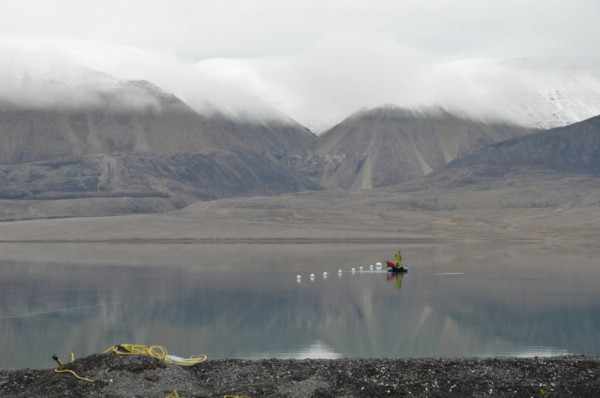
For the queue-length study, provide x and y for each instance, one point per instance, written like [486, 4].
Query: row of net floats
[378, 266]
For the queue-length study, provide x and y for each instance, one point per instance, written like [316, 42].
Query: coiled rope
[155, 351]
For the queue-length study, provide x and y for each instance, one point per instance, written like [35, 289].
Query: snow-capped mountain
[533, 92]
[61, 98]
[42, 74]
[542, 92]
[84, 132]
[46, 71]
[316, 92]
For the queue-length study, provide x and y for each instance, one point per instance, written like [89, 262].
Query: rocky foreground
[143, 376]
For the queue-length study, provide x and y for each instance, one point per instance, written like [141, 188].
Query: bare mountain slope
[141, 182]
[131, 139]
[162, 125]
[389, 145]
[574, 149]
[557, 170]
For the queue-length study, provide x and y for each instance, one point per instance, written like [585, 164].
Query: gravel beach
[144, 376]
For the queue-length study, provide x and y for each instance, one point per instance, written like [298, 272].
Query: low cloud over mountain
[336, 76]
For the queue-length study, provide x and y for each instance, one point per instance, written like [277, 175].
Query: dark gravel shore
[144, 376]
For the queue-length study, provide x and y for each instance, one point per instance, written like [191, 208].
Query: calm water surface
[245, 301]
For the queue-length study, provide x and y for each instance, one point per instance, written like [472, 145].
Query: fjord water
[245, 300]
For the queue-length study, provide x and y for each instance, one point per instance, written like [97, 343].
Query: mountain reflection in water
[245, 301]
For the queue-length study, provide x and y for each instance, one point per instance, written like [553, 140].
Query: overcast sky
[199, 29]
[330, 43]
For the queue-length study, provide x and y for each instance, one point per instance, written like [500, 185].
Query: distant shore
[143, 376]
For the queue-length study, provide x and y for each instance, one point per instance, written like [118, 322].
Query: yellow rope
[74, 374]
[57, 359]
[155, 351]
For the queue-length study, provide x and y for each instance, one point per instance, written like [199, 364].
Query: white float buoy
[361, 268]
[324, 275]
[378, 265]
[353, 270]
[312, 277]
[371, 267]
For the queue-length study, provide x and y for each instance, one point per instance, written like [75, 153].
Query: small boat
[396, 267]
[400, 269]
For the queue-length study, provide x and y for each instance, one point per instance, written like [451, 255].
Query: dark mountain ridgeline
[571, 149]
[185, 177]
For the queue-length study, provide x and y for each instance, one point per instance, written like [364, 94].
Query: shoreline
[144, 376]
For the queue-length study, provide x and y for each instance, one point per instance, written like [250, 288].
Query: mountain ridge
[164, 125]
[535, 92]
[573, 148]
[389, 145]
[113, 137]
